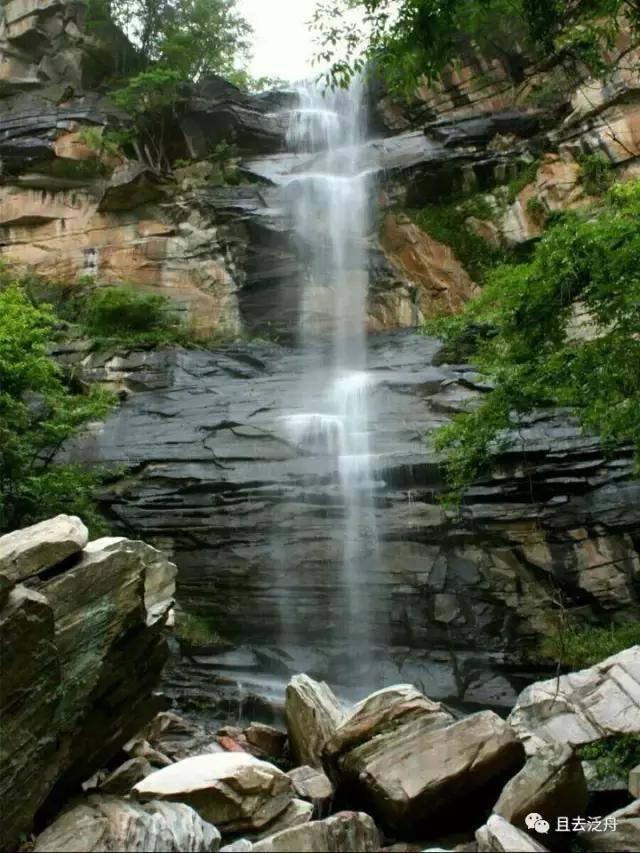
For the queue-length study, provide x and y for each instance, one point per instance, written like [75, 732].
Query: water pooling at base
[330, 203]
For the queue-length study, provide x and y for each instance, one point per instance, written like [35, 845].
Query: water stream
[330, 204]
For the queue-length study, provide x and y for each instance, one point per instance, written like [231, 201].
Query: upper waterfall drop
[330, 203]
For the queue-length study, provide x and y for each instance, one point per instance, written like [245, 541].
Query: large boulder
[80, 660]
[112, 657]
[499, 836]
[619, 831]
[313, 713]
[380, 713]
[345, 832]
[112, 824]
[551, 784]
[25, 553]
[422, 769]
[581, 707]
[233, 790]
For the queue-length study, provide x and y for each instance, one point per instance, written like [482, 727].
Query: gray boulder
[313, 785]
[551, 784]
[297, 813]
[30, 678]
[32, 550]
[624, 834]
[177, 738]
[581, 707]
[381, 713]
[265, 741]
[112, 824]
[409, 774]
[345, 832]
[233, 790]
[312, 713]
[499, 836]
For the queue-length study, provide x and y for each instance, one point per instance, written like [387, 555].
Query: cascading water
[330, 206]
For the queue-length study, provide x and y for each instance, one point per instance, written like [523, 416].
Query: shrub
[447, 222]
[615, 756]
[126, 314]
[195, 630]
[596, 174]
[103, 141]
[583, 646]
[536, 209]
[38, 414]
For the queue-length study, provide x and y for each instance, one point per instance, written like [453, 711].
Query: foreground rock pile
[406, 768]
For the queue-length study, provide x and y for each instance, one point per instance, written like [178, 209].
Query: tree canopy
[190, 37]
[411, 39]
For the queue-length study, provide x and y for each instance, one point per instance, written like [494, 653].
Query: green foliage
[195, 630]
[177, 41]
[536, 208]
[38, 413]
[447, 222]
[596, 173]
[152, 99]
[530, 355]
[613, 757]
[191, 37]
[203, 37]
[126, 315]
[552, 89]
[525, 175]
[410, 39]
[225, 157]
[104, 141]
[580, 646]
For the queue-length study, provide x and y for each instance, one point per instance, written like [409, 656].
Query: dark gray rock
[251, 519]
[30, 669]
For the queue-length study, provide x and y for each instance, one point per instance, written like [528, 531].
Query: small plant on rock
[195, 630]
[537, 209]
[597, 174]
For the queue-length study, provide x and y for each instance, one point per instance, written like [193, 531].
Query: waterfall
[330, 204]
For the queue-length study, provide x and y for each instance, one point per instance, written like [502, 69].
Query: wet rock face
[251, 518]
[81, 652]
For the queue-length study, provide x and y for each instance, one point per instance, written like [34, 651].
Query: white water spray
[330, 206]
